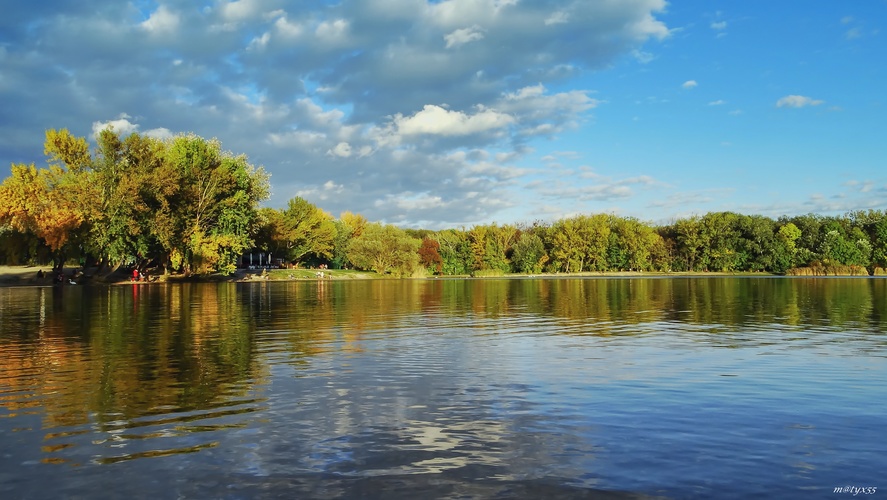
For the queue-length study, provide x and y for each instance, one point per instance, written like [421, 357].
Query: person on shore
[135, 275]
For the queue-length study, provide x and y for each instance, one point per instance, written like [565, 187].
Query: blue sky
[458, 112]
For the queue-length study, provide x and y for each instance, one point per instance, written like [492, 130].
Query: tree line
[187, 206]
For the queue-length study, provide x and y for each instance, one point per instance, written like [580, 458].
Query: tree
[66, 151]
[455, 251]
[874, 224]
[689, 241]
[119, 211]
[307, 230]
[721, 240]
[757, 245]
[630, 244]
[429, 255]
[785, 250]
[566, 246]
[204, 205]
[384, 249]
[42, 202]
[529, 254]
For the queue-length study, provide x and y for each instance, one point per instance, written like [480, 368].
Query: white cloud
[462, 36]
[241, 10]
[719, 102]
[797, 101]
[299, 85]
[260, 42]
[439, 121]
[689, 84]
[333, 33]
[719, 25]
[122, 126]
[287, 29]
[162, 21]
[161, 133]
[342, 150]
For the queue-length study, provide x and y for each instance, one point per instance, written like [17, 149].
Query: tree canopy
[189, 206]
[183, 202]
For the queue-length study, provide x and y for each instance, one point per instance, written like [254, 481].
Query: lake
[684, 387]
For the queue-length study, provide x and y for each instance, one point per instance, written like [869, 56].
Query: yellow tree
[44, 203]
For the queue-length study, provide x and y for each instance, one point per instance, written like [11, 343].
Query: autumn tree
[44, 203]
[429, 255]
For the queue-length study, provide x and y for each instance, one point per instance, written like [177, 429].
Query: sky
[452, 113]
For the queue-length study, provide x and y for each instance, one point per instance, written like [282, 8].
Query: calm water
[552, 388]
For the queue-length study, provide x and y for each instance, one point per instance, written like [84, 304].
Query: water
[523, 388]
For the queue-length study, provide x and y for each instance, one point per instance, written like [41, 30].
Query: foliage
[301, 230]
[184, 201]
[529, 254]
[429, 256]
[385, 249]
[190, 206]
[455, 251]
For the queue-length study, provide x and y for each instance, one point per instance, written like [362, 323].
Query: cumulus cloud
[689, 84]
[797, 101]
[375, 97]
[719, 25]
[437, 120]
[123, 127]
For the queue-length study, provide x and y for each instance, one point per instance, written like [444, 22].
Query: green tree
[385, 249]
[757, 245]
[529, 254]
[630, 244]
[785, 250]
[566, 246]
[204, 205]
[455, 251]
[307, 230]
[119, 211]
[721, 241]
[690, 243]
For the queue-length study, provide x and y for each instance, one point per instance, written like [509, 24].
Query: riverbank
[28, 276]
[31, 276]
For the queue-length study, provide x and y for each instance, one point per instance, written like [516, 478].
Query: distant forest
[184, 205]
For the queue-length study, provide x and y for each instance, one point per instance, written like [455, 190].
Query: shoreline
[14, 276]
